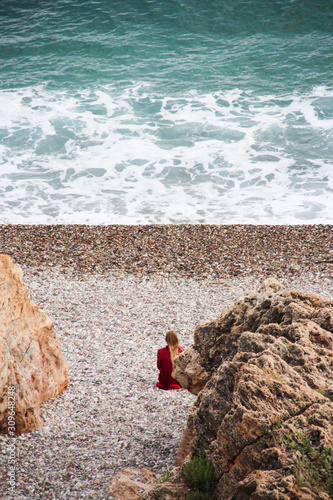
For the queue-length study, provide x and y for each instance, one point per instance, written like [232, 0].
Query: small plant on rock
[198, 495]
[277, 423]
[165, 477]
[329, 486]
[201, 476]
[313, 466]
[326, 393]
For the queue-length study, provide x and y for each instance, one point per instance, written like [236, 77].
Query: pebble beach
[112, 293]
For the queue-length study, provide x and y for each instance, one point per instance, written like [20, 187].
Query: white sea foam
[107, 156]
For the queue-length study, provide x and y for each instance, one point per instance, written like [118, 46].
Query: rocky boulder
[263, 372]
[31, 362]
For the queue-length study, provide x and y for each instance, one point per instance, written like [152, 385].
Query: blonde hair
[173, 344]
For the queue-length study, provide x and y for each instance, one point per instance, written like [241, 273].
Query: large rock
[263, 372]
[30, 353]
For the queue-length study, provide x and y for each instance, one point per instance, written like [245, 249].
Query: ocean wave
[107, 154]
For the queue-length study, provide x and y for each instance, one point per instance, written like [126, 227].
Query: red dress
[164, 364]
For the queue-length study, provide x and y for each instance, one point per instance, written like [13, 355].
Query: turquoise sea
[166, 111]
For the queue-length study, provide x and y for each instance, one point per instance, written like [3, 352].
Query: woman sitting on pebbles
[165, 359]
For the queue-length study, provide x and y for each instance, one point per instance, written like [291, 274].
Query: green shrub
[200, 474]
[198, 495]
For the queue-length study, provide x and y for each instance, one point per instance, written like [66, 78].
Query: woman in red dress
[165, 359]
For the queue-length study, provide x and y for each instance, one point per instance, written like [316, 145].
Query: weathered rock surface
[30, 352]
[129, 484]
[176, 488]
[263, 372]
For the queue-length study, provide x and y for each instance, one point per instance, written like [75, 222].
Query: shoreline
[190, 251]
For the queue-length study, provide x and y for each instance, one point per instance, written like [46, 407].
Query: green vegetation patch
[201, 476]
[314, 466]
[198, 495]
